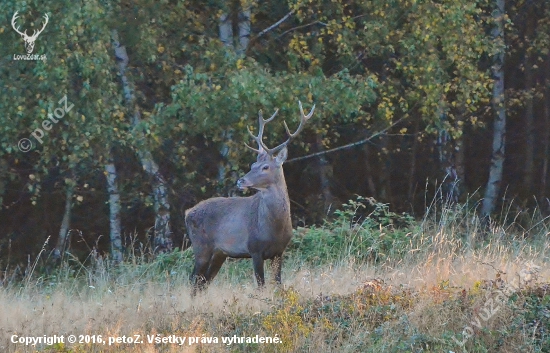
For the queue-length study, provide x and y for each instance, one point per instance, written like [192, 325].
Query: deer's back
[222, 223]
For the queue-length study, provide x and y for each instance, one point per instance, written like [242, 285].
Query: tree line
[415, 99]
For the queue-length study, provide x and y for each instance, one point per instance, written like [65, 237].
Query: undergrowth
[370, 280]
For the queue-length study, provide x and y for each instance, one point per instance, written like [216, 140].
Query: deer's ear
[281, 157]
[262, 156]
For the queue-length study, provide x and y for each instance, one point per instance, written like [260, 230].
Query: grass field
[382, 283]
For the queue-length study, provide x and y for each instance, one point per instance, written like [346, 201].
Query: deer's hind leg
[199, 274]
[216, 262]
[258, 263]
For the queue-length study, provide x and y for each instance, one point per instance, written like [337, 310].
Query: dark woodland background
[446, 100]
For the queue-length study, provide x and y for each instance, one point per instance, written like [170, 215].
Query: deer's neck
[274, 202]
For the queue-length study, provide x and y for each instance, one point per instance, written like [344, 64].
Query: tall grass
[369, 281]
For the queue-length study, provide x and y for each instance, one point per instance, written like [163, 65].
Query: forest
[415, 100]
[117, 116]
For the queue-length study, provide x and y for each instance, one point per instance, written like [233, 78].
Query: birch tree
[162, 234]
[226, 37]
[115, 233]
[73, 82]
[62, 239]
[499, 126]
[243, 24]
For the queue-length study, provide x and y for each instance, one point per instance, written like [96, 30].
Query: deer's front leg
[258, 263]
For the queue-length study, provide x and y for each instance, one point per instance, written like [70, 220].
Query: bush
[372, 236]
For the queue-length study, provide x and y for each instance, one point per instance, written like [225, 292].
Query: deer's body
[257, 227]
[266, 230]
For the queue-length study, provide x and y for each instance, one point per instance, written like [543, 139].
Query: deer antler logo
[29, 40]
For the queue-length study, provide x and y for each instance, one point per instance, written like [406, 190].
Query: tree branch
[276, 24]
[302, 26]
[314, 23]
[353, 144]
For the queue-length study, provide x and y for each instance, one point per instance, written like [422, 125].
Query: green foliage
[533, 309]
[375, 236]
[371, 214]
[430, 52]
[243, 88]
[32, 91]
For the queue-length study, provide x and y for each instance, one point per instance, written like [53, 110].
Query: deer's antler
[261, 125]
[271, 151]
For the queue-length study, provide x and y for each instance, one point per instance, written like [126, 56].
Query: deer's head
[29, 40]
[268, 169]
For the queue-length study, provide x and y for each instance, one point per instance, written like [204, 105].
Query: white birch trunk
[226, 37]
[499, 128]
[226, 30]
[115, 233]
[244, 31]
[61, 244]
[162, 234]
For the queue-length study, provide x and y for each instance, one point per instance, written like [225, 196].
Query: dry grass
[415, 303]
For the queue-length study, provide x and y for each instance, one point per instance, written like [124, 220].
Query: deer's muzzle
[243, 184]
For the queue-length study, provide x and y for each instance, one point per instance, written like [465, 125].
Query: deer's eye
[265, 167]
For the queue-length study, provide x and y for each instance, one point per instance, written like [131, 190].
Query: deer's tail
[187, 239]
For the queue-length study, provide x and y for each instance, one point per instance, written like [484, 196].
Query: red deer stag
[257, 227]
